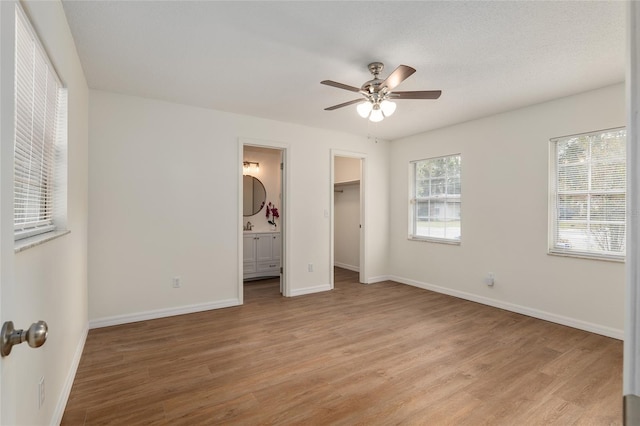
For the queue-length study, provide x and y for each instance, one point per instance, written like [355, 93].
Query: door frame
[363, 200]
[631, 362]
[284, 218]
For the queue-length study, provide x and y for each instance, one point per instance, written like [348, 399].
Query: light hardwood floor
[361, 354]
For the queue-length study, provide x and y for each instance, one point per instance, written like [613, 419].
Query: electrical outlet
[490, 279]
[41, 392]
[177, 282]
[310, 267]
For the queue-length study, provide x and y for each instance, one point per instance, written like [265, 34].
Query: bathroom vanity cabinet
[261, 254]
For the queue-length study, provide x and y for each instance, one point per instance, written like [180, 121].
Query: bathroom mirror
[254, 195]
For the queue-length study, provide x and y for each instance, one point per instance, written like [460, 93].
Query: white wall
[164, 202]
[47, 282]
[269, 175]
[504, 216]
[346, 205]
[346, 169]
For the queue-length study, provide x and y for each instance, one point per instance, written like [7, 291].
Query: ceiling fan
[379, 95]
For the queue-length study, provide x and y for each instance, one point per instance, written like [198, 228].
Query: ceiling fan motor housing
[376, 68]
[371, 86]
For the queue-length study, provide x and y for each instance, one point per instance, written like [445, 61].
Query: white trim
[535, 313]
[33, 231]
[310, 290]
[37, 240]
[588, 256]
[378, 279]
[68, 383]
[161, 313]
[434, 240]
[345, 266]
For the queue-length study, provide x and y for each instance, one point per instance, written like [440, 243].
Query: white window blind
[37, 127]
[436, 199]
[588, 194]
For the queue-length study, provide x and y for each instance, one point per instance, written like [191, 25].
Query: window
[40, 130]
[588, 194]
[435, 199]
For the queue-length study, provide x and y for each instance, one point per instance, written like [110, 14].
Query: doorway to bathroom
[262, 254]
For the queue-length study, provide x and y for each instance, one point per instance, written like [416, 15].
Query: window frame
[414, 200]
[49, 219]
[553, 247]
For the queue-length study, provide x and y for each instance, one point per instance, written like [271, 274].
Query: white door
[7, 31]
[2, 381]
[1, 210]
[631, 370]
[283, 219]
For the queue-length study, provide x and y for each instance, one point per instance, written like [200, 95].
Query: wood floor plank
[385, 353]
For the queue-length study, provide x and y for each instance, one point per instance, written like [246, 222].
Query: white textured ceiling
[266, 59]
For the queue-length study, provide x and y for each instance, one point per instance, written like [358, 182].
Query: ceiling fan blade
[340, 85]
[355, 101]
[397, 76]
[422, 94]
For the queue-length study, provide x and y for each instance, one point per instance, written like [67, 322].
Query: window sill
[586, 256]
[435, 240]
[36, 240]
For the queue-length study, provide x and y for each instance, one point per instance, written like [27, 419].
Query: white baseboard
[378, 279]
[345, 266]
[68, 383]
[535, 313]
[161, 313]
[309, 290]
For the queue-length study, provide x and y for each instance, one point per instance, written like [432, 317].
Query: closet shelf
[345, 183]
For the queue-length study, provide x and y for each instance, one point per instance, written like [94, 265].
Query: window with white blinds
[436, 199]
[38, 127]
[588, 195]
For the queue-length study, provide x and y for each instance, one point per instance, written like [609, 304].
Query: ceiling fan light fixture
[364, 109]
[376, 114]
[387, 107]
[377, 92]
